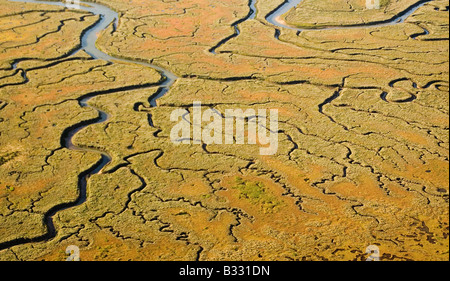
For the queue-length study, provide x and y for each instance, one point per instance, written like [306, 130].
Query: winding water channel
[275, 17]
[88, 40]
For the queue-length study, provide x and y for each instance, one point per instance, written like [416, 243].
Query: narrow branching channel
[275, 16]
[109, 17]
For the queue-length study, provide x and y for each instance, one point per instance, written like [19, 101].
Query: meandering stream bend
[88, 40]
[274, 17]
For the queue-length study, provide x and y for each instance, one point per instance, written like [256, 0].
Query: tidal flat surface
[86, 158]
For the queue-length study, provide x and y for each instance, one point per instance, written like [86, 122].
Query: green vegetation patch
[257, 194]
